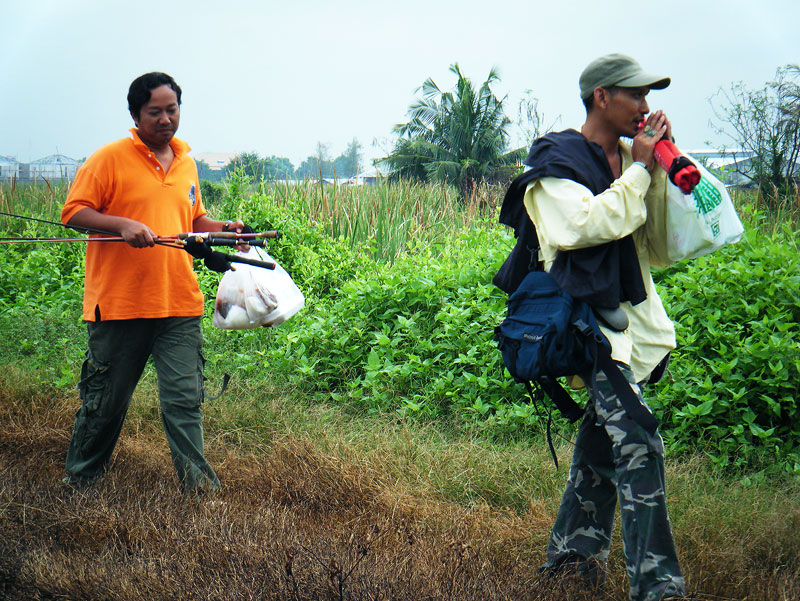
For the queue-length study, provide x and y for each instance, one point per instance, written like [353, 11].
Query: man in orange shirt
[141, 299]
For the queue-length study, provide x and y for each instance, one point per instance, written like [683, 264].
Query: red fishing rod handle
[681, 171]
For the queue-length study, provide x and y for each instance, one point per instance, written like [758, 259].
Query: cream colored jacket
[568, 216]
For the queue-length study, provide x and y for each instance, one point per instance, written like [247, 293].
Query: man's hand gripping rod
[198, 244]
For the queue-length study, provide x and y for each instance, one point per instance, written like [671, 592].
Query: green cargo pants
[117, 355]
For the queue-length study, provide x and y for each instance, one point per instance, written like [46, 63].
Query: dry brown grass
[304, 520]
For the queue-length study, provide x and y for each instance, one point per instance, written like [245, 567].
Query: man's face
[626, 109]
[159, 117]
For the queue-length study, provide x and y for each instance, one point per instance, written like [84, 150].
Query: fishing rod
[197, 244]
[77, 228]
[178, 240]
[43, 240]
[218, 238]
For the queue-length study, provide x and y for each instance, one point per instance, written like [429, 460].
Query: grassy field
[320, 505]
[321, 498]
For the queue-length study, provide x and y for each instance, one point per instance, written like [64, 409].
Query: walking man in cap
[598, 206]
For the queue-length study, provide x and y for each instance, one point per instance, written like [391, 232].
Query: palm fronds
[460, 137]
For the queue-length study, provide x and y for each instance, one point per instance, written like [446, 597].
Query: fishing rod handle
[236, 242]
[253, 262]
[229, 235]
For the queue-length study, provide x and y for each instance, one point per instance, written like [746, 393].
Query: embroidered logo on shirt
[192, 196]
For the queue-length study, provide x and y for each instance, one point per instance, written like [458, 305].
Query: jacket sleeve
[656, 226]
[568, 216]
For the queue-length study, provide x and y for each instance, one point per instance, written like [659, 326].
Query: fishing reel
[199, 245]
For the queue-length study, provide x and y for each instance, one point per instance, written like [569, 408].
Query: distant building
[369, 177]
[216, 161]
[729, 165]
[9, 168]
[53, 167]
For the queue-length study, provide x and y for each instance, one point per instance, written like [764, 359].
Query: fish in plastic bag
[702, 221]
[252, 297]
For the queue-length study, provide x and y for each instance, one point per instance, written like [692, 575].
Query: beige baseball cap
[618, 70]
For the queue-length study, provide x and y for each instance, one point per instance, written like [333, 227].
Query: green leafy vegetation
[736, 373]
[254, 166]
[400, 312]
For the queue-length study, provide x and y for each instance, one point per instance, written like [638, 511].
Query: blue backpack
[539, 336]
[548, 334]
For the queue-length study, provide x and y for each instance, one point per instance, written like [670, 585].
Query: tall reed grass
[778, 209]
[41, 199]
[387, 218]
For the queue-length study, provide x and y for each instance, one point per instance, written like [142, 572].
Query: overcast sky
[279, 77]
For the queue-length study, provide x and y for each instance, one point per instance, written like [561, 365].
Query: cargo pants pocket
[94, 384]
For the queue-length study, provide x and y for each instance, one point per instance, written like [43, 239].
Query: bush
[211, 192]
[414, 336]
[736, 372]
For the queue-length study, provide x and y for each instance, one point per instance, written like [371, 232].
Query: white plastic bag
[251, 297]
[700, 222]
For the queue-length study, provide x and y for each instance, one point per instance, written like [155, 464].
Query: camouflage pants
[615, 458]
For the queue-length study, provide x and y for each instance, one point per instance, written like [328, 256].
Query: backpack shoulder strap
[604, 362]
[561, 399]
[629, 401]
[550, 414]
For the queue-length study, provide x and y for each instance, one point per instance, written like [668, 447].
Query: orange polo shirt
[125, 179]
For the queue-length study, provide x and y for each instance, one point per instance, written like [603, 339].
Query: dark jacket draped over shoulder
[602, 275]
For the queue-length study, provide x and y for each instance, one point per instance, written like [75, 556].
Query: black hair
[139, 92]
[588, 102]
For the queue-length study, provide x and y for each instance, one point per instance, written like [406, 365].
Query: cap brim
[654, 82]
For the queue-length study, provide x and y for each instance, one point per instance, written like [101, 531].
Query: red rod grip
[680, 169]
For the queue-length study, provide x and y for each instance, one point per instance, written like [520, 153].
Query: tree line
[462, 137]
[270, 168]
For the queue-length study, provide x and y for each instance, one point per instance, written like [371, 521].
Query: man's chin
[631, 131]
[161, 138]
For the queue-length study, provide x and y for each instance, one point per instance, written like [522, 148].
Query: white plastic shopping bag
[700, 222]
[252, 297]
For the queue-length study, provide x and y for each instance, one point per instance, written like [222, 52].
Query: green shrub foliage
[413, 337]
[736, 373]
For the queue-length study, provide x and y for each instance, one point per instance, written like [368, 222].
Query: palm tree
[458, 137]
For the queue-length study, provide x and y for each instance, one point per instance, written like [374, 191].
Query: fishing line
[77, 228]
